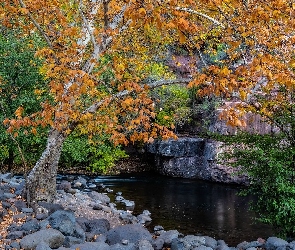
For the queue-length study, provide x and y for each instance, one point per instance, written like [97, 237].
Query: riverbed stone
[273, 243]
[210, 242]
[145, 245]
[103, 198]
[132, 233]
[52, 237]
[201, 247]
[91, 246]
[97, 226]
[168, 236]
[43, 246]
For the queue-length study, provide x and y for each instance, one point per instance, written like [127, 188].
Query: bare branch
[202, 15]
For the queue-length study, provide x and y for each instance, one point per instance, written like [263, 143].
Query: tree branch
[94, 107]
[37, 25]
[202, 15]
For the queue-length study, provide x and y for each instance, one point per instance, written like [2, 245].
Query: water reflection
[191, 206]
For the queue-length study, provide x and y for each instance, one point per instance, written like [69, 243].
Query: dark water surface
[191, 206]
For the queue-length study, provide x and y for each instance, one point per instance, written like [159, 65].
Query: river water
[191, 206]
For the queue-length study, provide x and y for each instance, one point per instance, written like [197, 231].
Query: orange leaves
[19, 112]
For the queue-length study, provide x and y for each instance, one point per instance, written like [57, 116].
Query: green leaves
[269, 162]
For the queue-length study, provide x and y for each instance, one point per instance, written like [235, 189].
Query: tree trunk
[41, 181]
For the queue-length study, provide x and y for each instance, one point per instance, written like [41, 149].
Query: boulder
[52, 237]
[97, 226]
[273, 243]
[91, 246]
[132, 233]
[103, 198]
[168, 236]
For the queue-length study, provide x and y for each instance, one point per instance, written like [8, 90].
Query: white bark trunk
[41, 181]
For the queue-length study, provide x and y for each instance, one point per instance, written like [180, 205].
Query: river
[191, 206]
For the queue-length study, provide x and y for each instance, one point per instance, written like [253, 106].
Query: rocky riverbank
[82, 218]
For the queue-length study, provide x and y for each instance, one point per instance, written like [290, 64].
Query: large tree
[84, 39]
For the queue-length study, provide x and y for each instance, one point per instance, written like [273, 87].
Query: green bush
[269, 162]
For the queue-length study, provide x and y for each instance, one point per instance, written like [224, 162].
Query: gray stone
[192, 241]
[177, 148]
[145, 245]
[19, 204]
[103, 198]
[64, 185]
[102, 207]
[52, 237]
[31, 226]
[27, 210]
[132, 233]
[221, 245]
[15, 245]
[127, 217]
[168, 236]
[210, 242]
[91, 246]
[15, 235]
[142, 218]
[50, 207]
[201, 247]
[273, 243]
[43, 246]
[118, 246]
[97, 226]
[69, 241]
[64, 221]
[158, 244]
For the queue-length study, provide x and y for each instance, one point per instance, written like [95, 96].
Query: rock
[158, 244]
[158, 230]
[101, 238]
[102, 207]
[168, 236]
[27, 210]
[127, 217]
[5, 176]
[143, 218]
[201, 247]
[192, 241]
[80, 182]
[52, 237]
[145, 245]
[132, 233]
[221, 245]
[43, 246]
[210, 242]
[273, 243]
[15, 245]
[50, 207]
[119, 198]
[81, 221]
[128, 203]
[104, 199]
[15, 235]
[118, 246]
[91, 246]
[69, 241]
[97, 226]
[19, 204]
[31, 226]
[64, 221]
[64, 185]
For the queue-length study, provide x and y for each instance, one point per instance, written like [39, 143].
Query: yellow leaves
[243, 95]
[19, 112]
[142, 12]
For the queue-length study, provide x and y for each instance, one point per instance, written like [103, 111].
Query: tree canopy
[97, 53]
